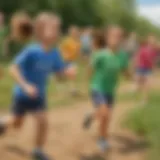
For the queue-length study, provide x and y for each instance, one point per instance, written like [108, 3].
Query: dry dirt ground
[68, 141]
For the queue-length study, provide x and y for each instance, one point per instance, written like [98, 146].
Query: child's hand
[31, 90]
[71, 71]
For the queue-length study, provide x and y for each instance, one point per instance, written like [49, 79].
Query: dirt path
[67, 140]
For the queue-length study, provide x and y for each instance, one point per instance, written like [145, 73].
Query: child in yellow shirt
[70, 49]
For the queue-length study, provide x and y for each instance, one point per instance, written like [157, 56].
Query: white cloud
[151, 12]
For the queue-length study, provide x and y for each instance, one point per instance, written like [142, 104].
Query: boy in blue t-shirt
[30, 70]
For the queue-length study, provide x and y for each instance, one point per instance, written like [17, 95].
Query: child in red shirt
[145, 61]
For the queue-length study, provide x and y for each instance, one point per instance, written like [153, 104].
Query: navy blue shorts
[21, 106]
[100, 98]
[143, 71]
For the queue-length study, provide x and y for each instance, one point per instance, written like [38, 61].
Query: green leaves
[86, 12]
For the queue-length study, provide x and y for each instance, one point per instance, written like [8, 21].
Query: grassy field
[146, 122]
[57, 91]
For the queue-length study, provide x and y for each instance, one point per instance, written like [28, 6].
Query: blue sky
[149, 2]
[150, 9]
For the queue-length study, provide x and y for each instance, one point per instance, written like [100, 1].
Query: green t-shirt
[107, 67]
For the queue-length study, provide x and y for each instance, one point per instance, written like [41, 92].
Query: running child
[86, 42]
[30, 71]
[17, 39]
[145, 62]
[70, 49]
[106, 65]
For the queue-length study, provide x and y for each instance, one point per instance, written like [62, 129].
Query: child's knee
[104, 115]
[42, 120]
[18, 123]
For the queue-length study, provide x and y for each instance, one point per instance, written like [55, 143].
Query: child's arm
[15, 71]
[16, 74]
[62, 72]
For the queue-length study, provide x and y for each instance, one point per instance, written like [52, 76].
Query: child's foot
[103, 145]
[88, 121]
[2, 128]
[39, 155]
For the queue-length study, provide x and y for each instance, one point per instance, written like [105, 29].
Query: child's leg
[104, 119]
[41, 129]
[11, 122]
[72, 82]
[41, 135]
[143, 87]
[146, 88]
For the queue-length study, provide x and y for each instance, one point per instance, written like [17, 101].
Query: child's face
[114, 37]
[15, 30]
[74, 32]
[51, 31]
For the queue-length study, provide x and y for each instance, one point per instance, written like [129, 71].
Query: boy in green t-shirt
[106, 65]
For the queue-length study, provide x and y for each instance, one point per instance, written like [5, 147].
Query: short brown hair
[26, 29]
[99, 39]
[23, 24]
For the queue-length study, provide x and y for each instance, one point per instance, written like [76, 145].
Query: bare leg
[41, 129]
[11, 122]
[104, 119]
[41, 135]
[143, 88]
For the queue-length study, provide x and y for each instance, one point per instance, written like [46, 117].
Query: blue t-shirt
[35, 65]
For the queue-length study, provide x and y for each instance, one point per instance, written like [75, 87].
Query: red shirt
[146, 57]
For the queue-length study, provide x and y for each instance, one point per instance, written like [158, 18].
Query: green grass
[58, 93]
[146, 122]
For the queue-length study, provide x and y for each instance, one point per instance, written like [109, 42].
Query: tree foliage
[86, 12]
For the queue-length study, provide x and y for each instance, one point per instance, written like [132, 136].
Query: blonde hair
[41, 20]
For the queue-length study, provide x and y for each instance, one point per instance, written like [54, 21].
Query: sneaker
[38, 155]
[87, 121]
[103, 145]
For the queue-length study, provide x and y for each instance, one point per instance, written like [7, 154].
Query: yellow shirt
[70, 49]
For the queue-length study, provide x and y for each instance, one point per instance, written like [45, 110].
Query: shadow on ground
[129, 145]
[17, 150]
[92, 157]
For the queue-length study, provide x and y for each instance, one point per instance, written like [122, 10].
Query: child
[106, 65]
[145, 62]
[20, 33]
[30, 70]
[86, 42]
[70, 48]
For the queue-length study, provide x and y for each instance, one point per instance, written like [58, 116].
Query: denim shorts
[99, 98]
[23, 105]
[143, 71]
